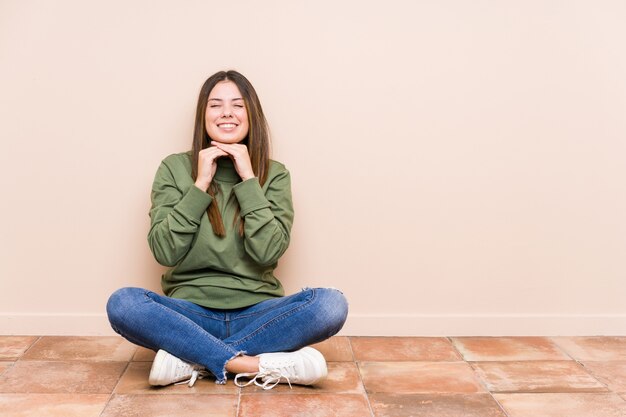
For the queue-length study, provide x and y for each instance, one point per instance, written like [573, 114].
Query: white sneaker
[168, 369]
[306, 366]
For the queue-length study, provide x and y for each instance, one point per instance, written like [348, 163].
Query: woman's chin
[228, 140]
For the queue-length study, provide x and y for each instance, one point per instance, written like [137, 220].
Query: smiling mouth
[227, 126]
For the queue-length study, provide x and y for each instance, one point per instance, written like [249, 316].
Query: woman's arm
[175, 217]
[268, 216]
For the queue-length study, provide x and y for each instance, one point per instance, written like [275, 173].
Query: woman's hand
[240, 156]
[207, 166]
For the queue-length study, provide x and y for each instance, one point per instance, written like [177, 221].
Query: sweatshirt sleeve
[268, 217]
[174, 217]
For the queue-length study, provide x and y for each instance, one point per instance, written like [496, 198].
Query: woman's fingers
[212, 152]
[234, 149]
[207, 165]
[241, 157]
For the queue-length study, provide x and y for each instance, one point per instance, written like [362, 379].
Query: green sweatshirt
[212, 271]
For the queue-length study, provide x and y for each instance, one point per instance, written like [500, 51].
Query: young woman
[221, 218]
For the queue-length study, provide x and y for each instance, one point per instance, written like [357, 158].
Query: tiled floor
[368, 376]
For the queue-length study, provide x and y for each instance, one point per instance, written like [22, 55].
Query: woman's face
[226, 117]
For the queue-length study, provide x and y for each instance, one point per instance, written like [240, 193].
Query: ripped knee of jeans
[223, 379]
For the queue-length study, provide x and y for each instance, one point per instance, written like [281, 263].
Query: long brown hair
[257, 140]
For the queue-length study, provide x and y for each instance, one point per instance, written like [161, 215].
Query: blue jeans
[212, 337]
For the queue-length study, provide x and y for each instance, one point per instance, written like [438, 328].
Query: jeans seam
[275, 319]
[246, 315]
[186, 309]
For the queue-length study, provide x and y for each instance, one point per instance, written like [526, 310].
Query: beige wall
[458, 166]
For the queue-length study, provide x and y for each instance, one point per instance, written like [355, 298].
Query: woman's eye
[213, 106]
[239, 106]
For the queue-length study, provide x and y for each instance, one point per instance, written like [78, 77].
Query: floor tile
[144, 355]
[419, 377]
[594, 348]
[403, 349]
[439, 405]
[536, 376]
[12, 347]
[113, 348]
[508, 349]
[192, 405]
[135, 381]
[61, 377]
[52, 405]
[613, 374]
[343, 377]
[304, 405]
[335, 349]
[562, 405]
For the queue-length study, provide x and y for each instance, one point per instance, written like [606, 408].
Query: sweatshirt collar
[226, 171]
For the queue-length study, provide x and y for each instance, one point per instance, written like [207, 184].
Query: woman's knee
[121, 302]
[333, 307]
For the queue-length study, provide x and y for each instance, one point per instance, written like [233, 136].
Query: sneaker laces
[195, 375]
[269, 377]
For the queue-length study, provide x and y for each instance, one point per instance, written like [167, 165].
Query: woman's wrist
[203, 185]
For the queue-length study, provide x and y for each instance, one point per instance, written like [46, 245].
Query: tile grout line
[115, 387]
[7, 369]
[351, 349]
[367, 396]
[582, 365]
[19, 359]
[132, 357]
[500, 406]
[561, 349]
[449, 338]
[590, 372]
[482, 383]
[29, 348]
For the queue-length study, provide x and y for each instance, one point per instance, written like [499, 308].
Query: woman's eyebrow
[219, 99]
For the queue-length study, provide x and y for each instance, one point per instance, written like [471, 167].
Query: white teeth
[227, 126]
